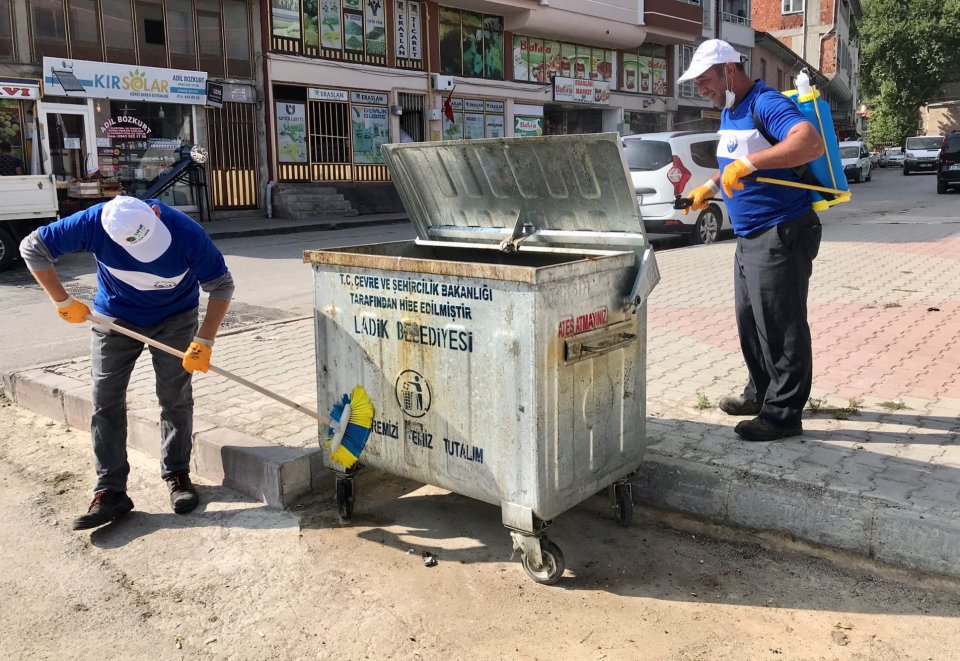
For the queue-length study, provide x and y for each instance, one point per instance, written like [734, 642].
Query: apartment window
[84, 30]
[118, 32]
[49, 28]
[183, 47]
[471, 44]
[686, 89]
[210, 37]
[237, 33]
[792, 6]
[151, 37]
[6, 30]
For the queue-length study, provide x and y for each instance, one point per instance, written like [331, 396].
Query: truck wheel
[8, 249]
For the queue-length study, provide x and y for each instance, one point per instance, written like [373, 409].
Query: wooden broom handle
[213, 368]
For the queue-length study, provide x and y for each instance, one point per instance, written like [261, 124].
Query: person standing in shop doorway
[10, 165]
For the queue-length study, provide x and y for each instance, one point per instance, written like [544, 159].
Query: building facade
[114, 88]
[822, 32]
[344, 77]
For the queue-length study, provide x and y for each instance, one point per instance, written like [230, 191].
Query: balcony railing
[735, 18]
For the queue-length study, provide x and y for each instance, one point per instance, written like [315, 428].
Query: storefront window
[6, 30]
[645, 70]
[540, 60]
[474, 118]
[118, 31]
[84, 30]
[11, 127]
[471, 44]
[49, 29]
[137, 142]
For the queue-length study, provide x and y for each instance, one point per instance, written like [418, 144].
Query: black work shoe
[737, 405]
[106, 506]
[759, 429]
[183, 495]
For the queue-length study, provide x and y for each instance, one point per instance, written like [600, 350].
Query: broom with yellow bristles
[348, 426]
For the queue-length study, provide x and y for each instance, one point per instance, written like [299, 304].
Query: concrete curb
[273, 474]
[866, 525]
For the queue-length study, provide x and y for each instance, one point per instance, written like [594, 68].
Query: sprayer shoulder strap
[802, 171]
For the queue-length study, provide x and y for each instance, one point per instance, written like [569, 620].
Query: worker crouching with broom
[152, 261]
[778, 237]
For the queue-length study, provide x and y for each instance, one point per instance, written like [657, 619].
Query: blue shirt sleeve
[72, 233]
[203, 258]
[778, 114]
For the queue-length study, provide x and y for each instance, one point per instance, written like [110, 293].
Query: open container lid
[559, 192]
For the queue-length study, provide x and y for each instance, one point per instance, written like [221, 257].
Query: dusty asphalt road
[237, 581]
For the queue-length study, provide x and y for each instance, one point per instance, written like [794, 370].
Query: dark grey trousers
[113, 357]
[771, 276]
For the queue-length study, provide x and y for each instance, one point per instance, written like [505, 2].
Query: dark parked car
[948, 165]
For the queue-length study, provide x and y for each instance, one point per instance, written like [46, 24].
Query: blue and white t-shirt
[760, 206]
[142, 294]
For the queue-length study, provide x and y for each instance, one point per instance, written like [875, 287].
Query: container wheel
[623, 503]
[553, 563]
[345, 498]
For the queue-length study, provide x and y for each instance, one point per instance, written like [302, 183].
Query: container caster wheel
[621, 497]
[345, 498]
[552, 567]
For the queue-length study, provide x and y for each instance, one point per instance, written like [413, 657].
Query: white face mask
[729, 97]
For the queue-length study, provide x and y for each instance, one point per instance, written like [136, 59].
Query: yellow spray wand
[797, 184]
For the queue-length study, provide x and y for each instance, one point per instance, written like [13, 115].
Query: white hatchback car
[665, 165]
[856, 160]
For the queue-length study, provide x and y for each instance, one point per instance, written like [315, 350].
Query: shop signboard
[238, 93]
[527, 127]
[322, 94]
[413, 22]
[214, 95]
[19, 91]
[581, 90]
[371, 98]
[291, 132]
[102, 80]
[370, 130]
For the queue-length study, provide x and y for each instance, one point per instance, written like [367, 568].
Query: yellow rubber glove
[734, 172]
[72, 310]
[197, 355]
[700, 195]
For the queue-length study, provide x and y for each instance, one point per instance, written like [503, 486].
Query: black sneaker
[737, 405]
[759, 429]
[106, 506]
[183, 495]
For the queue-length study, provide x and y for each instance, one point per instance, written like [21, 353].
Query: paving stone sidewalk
[877, 471]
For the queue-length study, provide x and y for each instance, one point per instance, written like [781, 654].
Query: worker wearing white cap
[778, 236]
[152, 261]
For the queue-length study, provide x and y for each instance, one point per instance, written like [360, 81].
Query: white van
[856, 160]
[921, 152]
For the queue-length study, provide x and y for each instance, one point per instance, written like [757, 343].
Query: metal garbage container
[505, 348]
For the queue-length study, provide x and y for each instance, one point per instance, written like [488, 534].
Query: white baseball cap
[132, 224]
[710, 52]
